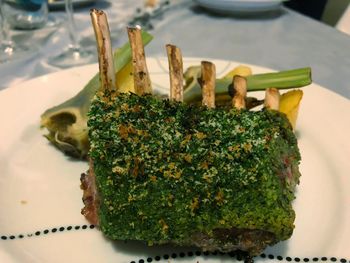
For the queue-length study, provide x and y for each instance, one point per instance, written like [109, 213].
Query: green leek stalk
[295, 78]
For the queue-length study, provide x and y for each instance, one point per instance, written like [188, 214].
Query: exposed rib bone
[151, 3]
[208, 84]
[240, 92]
[272, 99]
[175, 72]
[142, 81]
[104, 50]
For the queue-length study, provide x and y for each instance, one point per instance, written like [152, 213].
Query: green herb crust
[167, 170]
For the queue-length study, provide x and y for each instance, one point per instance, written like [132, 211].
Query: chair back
[343, 23]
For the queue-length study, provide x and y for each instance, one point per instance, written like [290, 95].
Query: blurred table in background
[282, 40]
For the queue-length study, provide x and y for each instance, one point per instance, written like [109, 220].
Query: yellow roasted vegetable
[289, 104]
[240, 70]
[125, 80]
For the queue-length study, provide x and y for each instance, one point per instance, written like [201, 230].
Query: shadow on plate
[59, 5]
[139, 251]
[259, 15]
[102, 4]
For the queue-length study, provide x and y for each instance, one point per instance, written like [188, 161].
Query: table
[281, 41]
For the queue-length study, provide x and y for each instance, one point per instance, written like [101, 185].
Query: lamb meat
[168, 172]
[163, 171]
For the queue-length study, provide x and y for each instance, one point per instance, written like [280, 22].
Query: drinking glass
[75, 55]
[9, 50]
[26, 14]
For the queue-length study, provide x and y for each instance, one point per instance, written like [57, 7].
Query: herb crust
[166, 171]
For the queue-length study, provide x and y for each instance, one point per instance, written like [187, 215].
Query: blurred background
[66, 40]
[328, 11]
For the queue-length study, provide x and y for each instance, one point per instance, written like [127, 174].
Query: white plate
[240, 6]
[39, 186]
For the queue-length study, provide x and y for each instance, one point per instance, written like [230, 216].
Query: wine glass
[75, 55]
[150, 11]
[9, 50]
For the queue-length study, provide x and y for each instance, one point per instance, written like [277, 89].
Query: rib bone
[151, 3]
[240, 92]
[104, 50]
[175, 72]
[272, 99]
[208, 84]
[142, 80]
